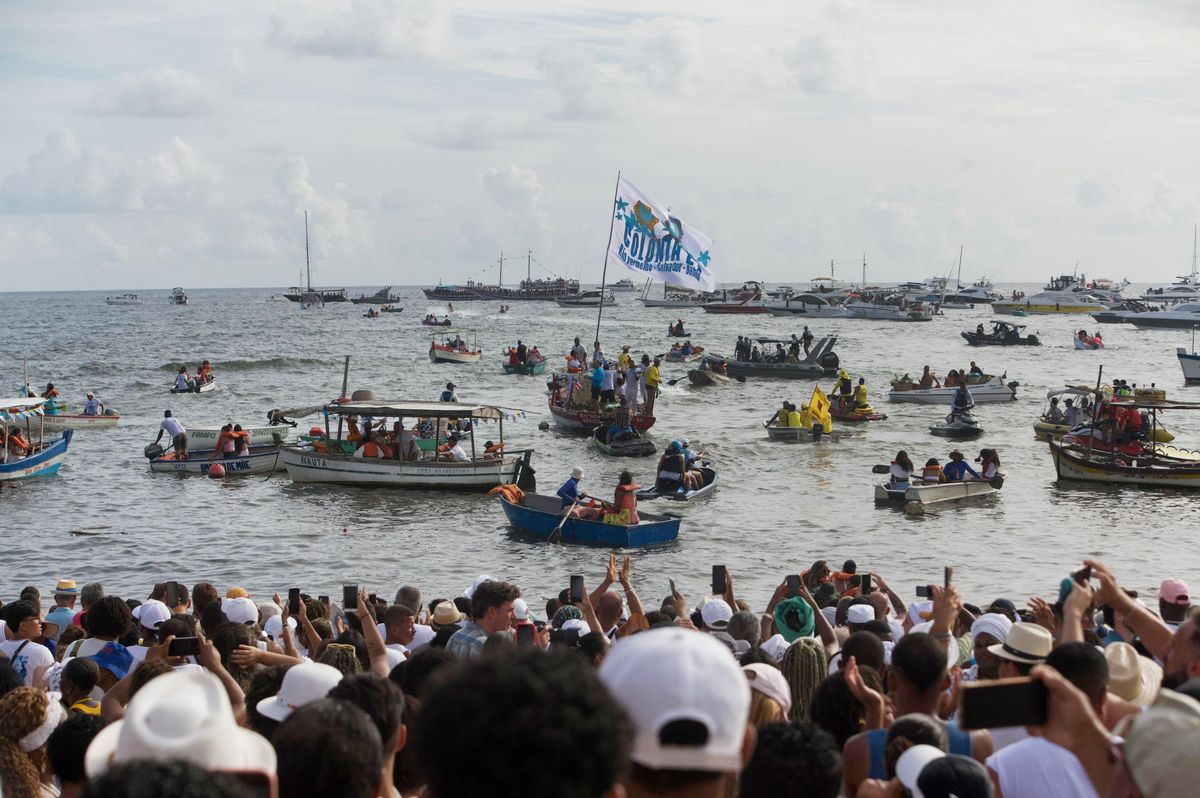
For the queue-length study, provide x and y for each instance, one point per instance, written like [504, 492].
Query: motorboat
[177, 297]
[821, 361]
[383, 296]
[622, 285]
[587, 299]
[975, 295]
[1184, 289]
[541, 515]
[927, 493]
[626, 443]
[682, 494]
[45, 456]
[677, 355]
[855, 415]
[61, 421]
[208, 384]
[480, 471]
[202, 439]
[443, 349]
[1189, 361]
[1003, 334]
[391, 309]
[433, 321]
[543, 289]
[808, 305]
[1122, 313]
[959, 426]
[988, 388]
[1048, 302]
[257, 460]
[887, 307]
[1181, 317]
[123, 299]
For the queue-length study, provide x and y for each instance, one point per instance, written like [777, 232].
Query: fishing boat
[381, 297]
[454, 350]
[1180, 317]
[432, 321]
[678, 357]
[587, 299]
[527, 368]
[1003, 334]
[259, 460]
[61, 421]
[209, 384]
[988, 388]
[538, 514]
[821, 361]
[958, 426]
[627, 443]
[203, 439]
[480, 471]
[177, 297]
[123, 299]
[704, 377]
[45, 456]
[580, 420]
[682, 494]
[926, 493]
[807, 305]
[1072, 462]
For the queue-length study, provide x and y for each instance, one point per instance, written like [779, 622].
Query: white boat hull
[62, 421]
[261, 461]
[1190, 365]
[204, 388]
[305, 465]
[205, 438]
[886, 313]
[935, 493]
[994, 391]
[437, 355]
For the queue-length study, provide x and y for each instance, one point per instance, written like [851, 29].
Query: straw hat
[1026, 643]
[1132, 676]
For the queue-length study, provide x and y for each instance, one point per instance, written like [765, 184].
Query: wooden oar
[556, 533]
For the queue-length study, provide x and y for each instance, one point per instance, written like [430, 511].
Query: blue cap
[114, 657]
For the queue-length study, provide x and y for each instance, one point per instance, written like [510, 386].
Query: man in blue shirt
[570, 492]
[957, 468]
[597, 384]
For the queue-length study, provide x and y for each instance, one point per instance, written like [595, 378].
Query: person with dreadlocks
[804, 668]
[27, 717]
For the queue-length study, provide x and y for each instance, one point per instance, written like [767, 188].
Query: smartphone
[1019, 701]
[947, 577]
[865, 584]
[720, 580]
[1083, 575]
[349, 597]
[525, 632]
[324, 600]
[172, 595]
[293, 601]
[576, 589]
[793, 584]
[374, 597]
[184, 647]
[923, 591]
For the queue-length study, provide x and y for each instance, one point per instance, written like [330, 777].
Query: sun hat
[302, 684]
[237, 592]
[716, 613]
[66, 587]
[794, 618]
[479, 580]
[671, 676]
[860, 613]
[113, 657]
[180, 715]
[769, 680]
[1172, 591]
[1161, 745]
[1132, 676]
[576, 473]
[775, 646]
[240, 610]
[151, 613]
[273, 628]
[991, 623]
[89, 393]
[1026, 643]
[445, 613]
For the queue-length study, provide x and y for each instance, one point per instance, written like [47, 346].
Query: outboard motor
[153, 451]
[830, 362]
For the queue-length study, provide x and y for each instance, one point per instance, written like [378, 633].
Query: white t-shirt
[1036, 767]
[458, 454]
[181, 381]
[33, 656]
[172, 427]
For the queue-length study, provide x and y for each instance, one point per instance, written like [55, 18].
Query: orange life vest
[931, 473]
[494, 448]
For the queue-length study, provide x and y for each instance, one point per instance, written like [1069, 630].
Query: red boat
[584, 421]
[853, 416]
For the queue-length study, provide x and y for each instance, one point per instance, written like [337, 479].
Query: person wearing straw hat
[65, 595]
[1131, 676]
[1026, 645]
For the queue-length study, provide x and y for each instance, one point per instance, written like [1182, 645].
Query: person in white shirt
[456, 451]
[177, 433]
[30, 659]
[183, 382]
[94, 406]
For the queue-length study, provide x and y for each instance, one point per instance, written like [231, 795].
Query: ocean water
[779, 507]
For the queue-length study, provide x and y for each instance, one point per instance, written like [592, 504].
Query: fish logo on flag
[650, 242]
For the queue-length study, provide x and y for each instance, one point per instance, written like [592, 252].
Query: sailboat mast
[307, 260]
[864, 270]
[1194, 254]
[501, 269]
[959, 278]
[528, 266]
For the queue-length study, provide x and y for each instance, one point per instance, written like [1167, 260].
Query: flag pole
[604, 273]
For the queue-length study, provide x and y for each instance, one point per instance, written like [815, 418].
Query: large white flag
[649, 241]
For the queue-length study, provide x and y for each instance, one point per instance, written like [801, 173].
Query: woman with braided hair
[804, 667]
[27, 716]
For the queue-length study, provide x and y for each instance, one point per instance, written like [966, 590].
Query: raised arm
[824, 630]
[1075, 605]
[631, 596]
[1155, 635]
[610, 576]
[211, 661]
[376, 649]
[897, 603]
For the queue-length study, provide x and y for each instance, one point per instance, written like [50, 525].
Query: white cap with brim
[479, 580]
[912, 762]
[716, 613]
[302, 684]
[240, 610]
[664, 676]
[180, 715]
[151, 613]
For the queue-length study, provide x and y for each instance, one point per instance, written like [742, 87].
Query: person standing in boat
[608, 392]
[522, 352]
[51, 396]
[177, 433]
[597, 385]
[93, 406]
[597, 354]
[624, 360]
[632, 381]
[226, 445]
[579, 352]
[651, 380]
[806, 338]
[449, 395]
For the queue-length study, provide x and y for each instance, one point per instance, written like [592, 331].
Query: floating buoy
[316, 432]
[216, 471]
[914, 508]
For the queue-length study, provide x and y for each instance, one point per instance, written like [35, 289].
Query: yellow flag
[819, 403]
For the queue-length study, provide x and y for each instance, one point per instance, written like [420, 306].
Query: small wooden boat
[702, 377]
[624, 444]
[454, 350]
[690, 357]
[391, 309]
[538, 367]
[926, 493]
[435, 323]
[260, 460]
[679, 494]
[61, 421]
[994, 389]
[1090, 344]
[204, 387]
[582, 421]
[205, 438]
[1078, 463]
[820, 361]
[538, 514]
[46, 457]
[799, 434]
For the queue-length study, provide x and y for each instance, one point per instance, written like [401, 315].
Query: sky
[154, 144]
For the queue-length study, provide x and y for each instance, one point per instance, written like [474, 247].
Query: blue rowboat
[538, 514]
[40, 464]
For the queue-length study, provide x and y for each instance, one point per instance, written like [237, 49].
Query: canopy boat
[959, 426]
[61, 421]
[821, 361]
[807, 305]
[703, 376]
[479, 472]
[681, 494]
[538, 514]
[381, 297]
[454, 350]
[926, 493]
[205, 438]
[202, 387]
[587, 299]
[177, 297]
[259, 460]
[579, 420]
[627, 443]
[1003, 334]
[527, 368]
[45, 457]
[432, 321]
[988, 388]
[123, 299]
[676, 356]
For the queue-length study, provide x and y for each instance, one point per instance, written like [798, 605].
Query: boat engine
[830, 361]
[153, 451]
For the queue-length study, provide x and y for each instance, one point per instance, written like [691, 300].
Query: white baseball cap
[912, 762]
[520, 609]
[180, 715]
[665, 676]
[273, 628]
[151, 613]
[240, 610]
[302, 684]
[479, 580]
[716, 613]
[860, 613]
[769, 680]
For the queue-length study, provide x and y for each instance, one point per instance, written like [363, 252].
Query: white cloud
[582, 90]
[522, 222]
[65, 177]
[388, 29]
[162, 91]
[665, 55]
[470, 132]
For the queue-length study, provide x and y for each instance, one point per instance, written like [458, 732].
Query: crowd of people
[834, 685]
[187, 382]
[622, 381]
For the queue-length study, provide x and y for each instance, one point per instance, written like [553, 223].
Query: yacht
[1185, 289]
[178, 297]
[887, 307]
[586, 299]
[123, 299]
[1180, 317]
[623, 285]
[1050, 302]
[808, 305]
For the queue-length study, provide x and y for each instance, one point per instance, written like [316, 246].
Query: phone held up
[184, 647]
[793, 584]
[720, 582]
[349, 597]
[576, 589]
[1019, 701]
[525, 633]
[293, 601]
